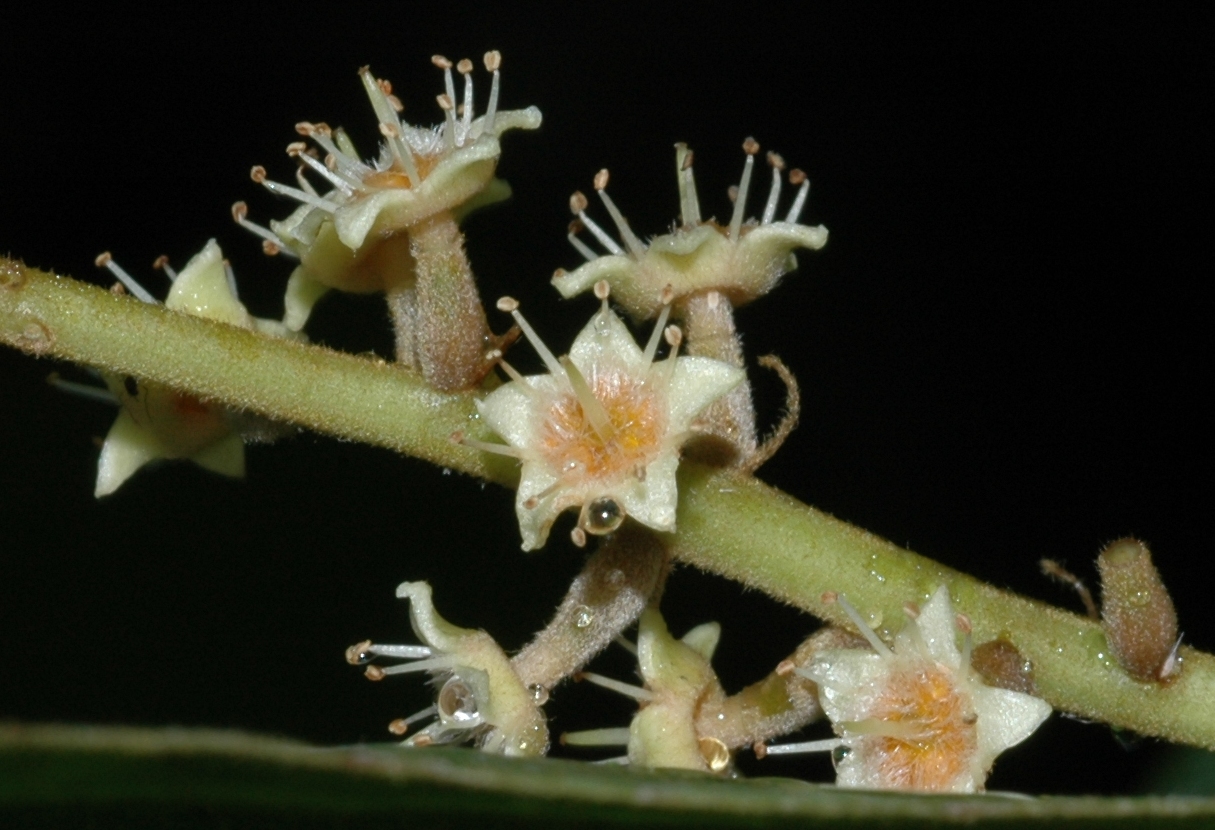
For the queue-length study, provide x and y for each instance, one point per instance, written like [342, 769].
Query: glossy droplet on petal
[584, 617]
[603, 516]
[457, 702]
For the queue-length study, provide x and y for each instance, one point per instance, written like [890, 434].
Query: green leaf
[133, 777]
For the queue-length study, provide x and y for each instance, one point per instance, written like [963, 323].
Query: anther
[578, 202]
[162, 264]
[464, 67]
[963, 623]
[357, 654]
[508, 304]
[601, 179]
[750, 146]
[374, 672]
[493, 60]
[440, 61]
[398, 727]
[239, 211]
[578, 537]
[798, 178]
[911, 610]
[270, 248]
[785, 668]
[673, 335]
[778, 164]
[602, 290]
[258, 174]
[445, 102]
[295, 148]
[829, 597]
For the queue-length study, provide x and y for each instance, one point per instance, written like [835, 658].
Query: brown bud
[1137, 612]
[1000, 664]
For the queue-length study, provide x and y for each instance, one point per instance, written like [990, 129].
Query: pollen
[569, 440]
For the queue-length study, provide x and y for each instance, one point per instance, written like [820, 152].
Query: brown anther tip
[374, 673]
[422, 740]
[398, 727]
[305, 128]
[775, 160]
[561, 740]
[395, 103]
[239, 211]
[118, 290]
[160, 262]
[785, 668]
[385, 85]
[507, 304]
[602, 290]
[760, 749]
[530, 504]
[963, 623]
[493, 60]
[668, 294]
[732, 192]
[576, 227]
[578, 677]
[354, 654]
[270, 248]
[464, 67]
[295, 148]
[258, 173]
[578, 202]
[797, 175]
[440, 61]
[829, 597]
[445, 102]
[578, 537]
[103, 259]
[911, 610]
[673, 335]
[364, 70]
[457, 437]
[560, 274]
[750, 146]
[687, 161]
[321, 128]
[601, 179]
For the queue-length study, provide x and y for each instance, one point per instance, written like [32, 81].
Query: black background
[1003, 348]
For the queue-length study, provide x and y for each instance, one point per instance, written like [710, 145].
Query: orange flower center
[930, 737]
[569, 441]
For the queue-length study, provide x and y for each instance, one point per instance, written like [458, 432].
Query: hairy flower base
[602, 430]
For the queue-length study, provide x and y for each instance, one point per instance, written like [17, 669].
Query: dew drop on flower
[584, 617]
[457, 702]
[603, 516]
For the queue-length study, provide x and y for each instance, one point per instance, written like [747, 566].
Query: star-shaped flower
[420, 172]
[157, 421]
[915, 716]
[480, 696]
[602, 430]
[742, 260]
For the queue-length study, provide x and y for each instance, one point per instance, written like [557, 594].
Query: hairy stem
[729, 523]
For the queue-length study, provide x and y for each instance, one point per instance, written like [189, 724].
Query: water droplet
[603, 516]
[539, 694]
[456, 702]
[584, 617]
[838, 755]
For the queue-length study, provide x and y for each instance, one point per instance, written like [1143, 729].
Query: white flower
[602, 430]
[916, 716]
[157, 421]
[420, 172]
[480, 696]
[742, 260]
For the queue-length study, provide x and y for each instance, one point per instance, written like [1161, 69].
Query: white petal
[696, 383]
[653, 502]
[127, 447]
[848, 681]
[605, 342]
[938, 627]
[225, 456]
[1005, 719]
[535, 522]
[202, 289]
[510, 411]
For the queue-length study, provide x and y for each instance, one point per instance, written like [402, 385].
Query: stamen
[863, 627]
[627, 645]
[390, 124]
[636, 248]
[778, 164]
[493, 60]
[486, 446]
[826, 745]
[797, 177]
[336, 159]
[104, 260]
[231, 275]
[601, 422]
[651, 348]
[578, 208]
[401, 725]
[448, 105]
[511, 306]
[162, 264]
[750, 147]
[434, 664]
[689, 204]
[303, 182]
[597, 737]
[587, 252]
[258, 174]
[329, 176]
[465, 68]
[635, 692]
[83, 390]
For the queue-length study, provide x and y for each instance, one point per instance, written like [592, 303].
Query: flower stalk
[729, 523]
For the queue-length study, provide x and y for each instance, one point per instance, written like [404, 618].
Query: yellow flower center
[570, 442]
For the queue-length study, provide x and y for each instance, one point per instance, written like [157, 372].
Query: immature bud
[1137, 613]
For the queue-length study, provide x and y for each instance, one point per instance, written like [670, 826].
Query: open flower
[158, 422]
[602, 430]
[480, 696]
[916, 716]
[420, 172]
[741, 261]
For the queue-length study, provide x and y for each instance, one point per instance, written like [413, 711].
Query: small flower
[742, 260]
[915, 716]
[678, 683]
[602, 430]
[480, 696]
[419, 173]
[158, 422]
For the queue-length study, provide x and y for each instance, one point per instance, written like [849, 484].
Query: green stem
[729, 523]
